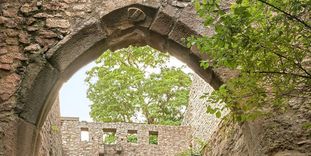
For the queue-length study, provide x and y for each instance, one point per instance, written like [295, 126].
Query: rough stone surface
[51, 139]
[279, 134]
[8, 86]
[228, 139]
[32, 47]
[57, 23]
[171, 139]
[203, 125]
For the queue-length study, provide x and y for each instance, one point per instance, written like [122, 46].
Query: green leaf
[204, 64]
[197, 4]
[266, 49]
[218, 114]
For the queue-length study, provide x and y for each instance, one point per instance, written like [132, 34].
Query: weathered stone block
[3, 20]
[7, 59]
[11, 41]
[25, 132]
[42, 15]
[45, 42]
[28, 8]
[32, 28]
[10, 12]
[191, 19]
[32, 48]
[79, 7]
[10, 23]
[55, 6]
[8, 86]
[6, 67]
[13, 49]
[70, 1]
[30, 21]
[3, 50]
[47, 34]
[75, 45]
[11, 32]
[181, 4]
[164, 20]
[180, 32]
[35, 92]
[24, 37]
[57, 23]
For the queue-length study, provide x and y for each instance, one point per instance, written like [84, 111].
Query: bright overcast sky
[73, 100]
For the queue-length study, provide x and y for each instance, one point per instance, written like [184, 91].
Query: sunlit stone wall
[203, 124]
[171, 139]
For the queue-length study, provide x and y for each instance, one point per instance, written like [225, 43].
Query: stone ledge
[70, 118]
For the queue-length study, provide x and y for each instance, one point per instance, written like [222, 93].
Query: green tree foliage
[132, 138]
[153, 139]
[137, 80]
[110, 138]
[268, 41]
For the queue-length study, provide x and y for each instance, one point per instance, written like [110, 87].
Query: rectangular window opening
[153, 137]
[132, 136]
[109, 136]
[85, 135]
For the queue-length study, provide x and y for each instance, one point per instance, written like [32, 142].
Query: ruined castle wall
[277, 134]
[51, 140]
[171, 139]
[203, 124]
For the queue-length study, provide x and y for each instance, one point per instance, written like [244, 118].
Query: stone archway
[43, 42]
[54, 39]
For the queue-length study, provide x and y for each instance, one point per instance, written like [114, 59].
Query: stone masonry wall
[51, 140]
[171, 139]
[228, 139]
[278, 134]
[203, 124]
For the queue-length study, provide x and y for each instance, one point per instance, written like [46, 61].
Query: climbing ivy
[268, 42]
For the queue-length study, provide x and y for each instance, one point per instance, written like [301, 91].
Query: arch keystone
[135, 14]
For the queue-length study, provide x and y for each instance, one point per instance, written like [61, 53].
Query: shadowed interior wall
[51, 138]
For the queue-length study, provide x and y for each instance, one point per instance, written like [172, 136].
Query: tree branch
[297, 64]
[283, 73]
[287, 14]
[282, 56]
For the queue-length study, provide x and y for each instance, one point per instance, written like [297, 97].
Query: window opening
[85, 135]
[153, 137]
[109, 136]
[132, 136]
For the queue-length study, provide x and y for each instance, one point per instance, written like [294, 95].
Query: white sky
[73, 100]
